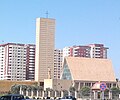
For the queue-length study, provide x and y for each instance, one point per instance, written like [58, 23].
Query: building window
[66, 73]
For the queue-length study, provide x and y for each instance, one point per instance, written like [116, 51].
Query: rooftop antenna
[46, 14]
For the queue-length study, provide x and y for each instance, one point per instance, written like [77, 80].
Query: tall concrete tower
[45, 37]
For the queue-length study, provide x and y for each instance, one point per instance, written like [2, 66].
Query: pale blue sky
[78, 22]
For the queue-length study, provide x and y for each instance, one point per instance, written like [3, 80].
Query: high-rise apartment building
[98, 51]
[45, 34]
[12, 62]
[77, 51]
[89, 51]
[30, 62]
[58, 57]
[17, 62]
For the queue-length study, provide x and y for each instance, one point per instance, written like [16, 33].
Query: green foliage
[15, 89]
[106, 92]
[65, 92]
[40, 88]
[9, 92]
[48, 89]
[29, 88]
[34, 88]
[24, 87]
[115, 92]
[35, 84]
[85, 91]
[72, 89]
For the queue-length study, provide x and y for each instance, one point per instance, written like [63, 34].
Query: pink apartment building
[88, 51]
[17, 61]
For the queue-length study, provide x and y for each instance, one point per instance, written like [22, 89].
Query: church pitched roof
[90, 69]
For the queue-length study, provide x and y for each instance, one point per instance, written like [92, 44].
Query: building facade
[98, 51]
[58, 56]
[79, 72]
[30, 61]
[89, 51]
[88, 71]
[45, 34]
[77, 51]
[14, 62]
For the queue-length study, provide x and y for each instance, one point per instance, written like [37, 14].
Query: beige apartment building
[58, 61]
[45, 36]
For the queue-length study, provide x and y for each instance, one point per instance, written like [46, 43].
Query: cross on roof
[46, 14]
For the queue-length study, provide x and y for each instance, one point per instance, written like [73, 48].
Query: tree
[15, 89]
[85, 91]
[65, 92]
[115, 92]
[106, 93]
[34, 89]
[72, 90]
[48, 91]
[29, 88]
[40, 88]
[24, 87]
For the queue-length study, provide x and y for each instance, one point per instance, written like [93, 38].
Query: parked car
[12, 97]
[47, 97]
[68, 98]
